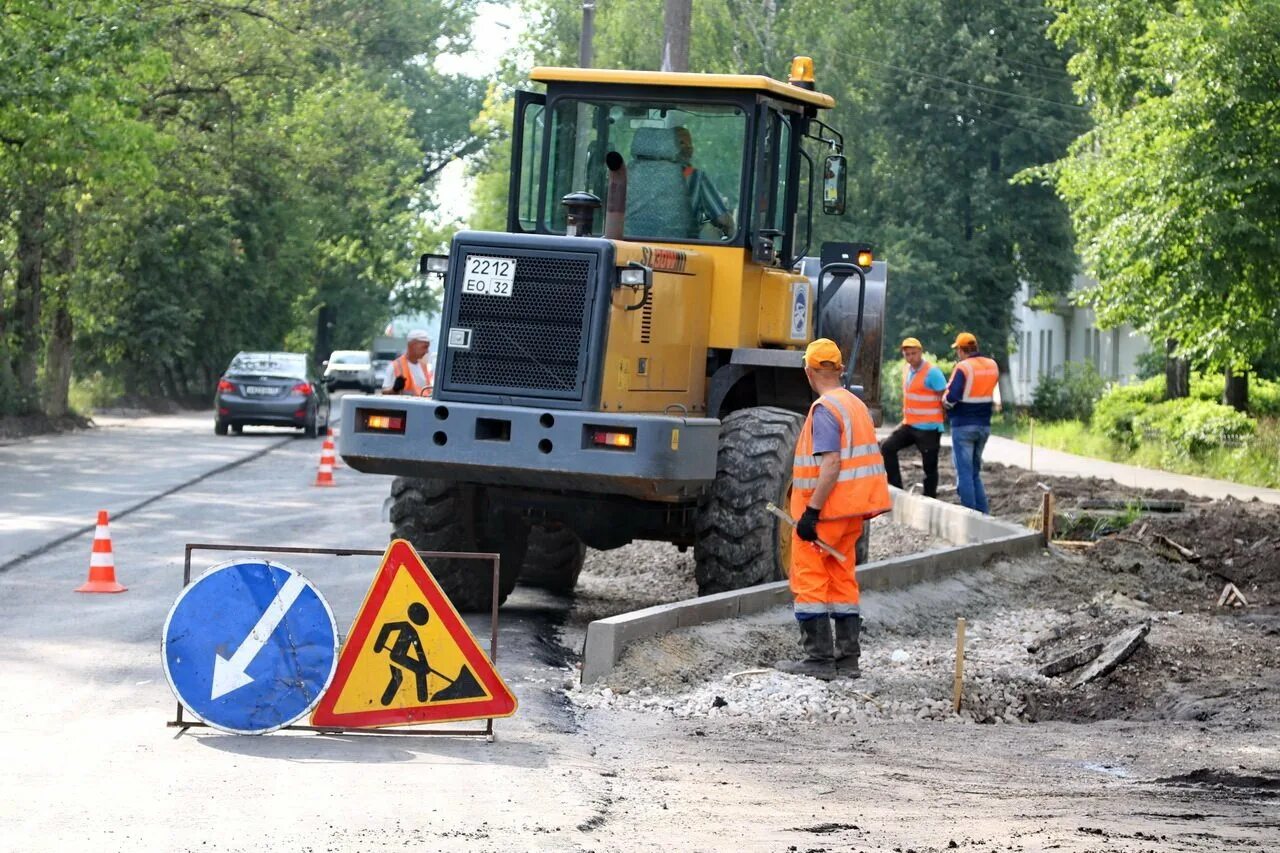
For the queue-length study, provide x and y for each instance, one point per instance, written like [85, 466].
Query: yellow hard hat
[966, 340]
[823, 354]
[911, 342]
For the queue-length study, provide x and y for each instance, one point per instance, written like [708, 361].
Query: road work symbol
[409, 657]
[464, 686]
[250, 646]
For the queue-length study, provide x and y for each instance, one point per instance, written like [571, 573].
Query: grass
[1255, 464]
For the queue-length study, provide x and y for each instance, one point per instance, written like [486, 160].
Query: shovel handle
[789, 520]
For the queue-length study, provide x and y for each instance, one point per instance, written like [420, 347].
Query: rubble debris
[1071, 661]
[1232, 597]
[1115, 653]
[1140, 504]
[1164, 543]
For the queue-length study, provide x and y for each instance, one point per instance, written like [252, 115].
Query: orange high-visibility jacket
[862, 489]
[401, 368]
[981, 375]
[920, 405]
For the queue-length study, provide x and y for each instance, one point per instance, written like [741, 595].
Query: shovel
[789, 520]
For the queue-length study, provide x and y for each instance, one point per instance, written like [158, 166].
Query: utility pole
[675, 32]
[586, 49]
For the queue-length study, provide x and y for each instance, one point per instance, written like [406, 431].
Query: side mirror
[834, 174]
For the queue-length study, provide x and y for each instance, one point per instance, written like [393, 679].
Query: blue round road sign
[250, 646]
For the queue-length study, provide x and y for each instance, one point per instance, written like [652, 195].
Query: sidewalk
[1009, 452]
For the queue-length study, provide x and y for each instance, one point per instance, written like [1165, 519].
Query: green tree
[1175, 194]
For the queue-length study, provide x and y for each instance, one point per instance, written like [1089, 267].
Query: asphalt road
[89, 763]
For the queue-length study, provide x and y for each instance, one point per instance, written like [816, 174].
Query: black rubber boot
[848, 648]
[818, 661]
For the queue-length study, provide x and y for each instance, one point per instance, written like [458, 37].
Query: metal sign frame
[180, 722]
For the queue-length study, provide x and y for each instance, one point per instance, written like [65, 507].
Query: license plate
[485, 276]
[258, 390]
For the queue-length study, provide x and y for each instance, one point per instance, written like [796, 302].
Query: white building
[1044, 340]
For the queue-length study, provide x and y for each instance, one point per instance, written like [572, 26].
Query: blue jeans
[966, 452]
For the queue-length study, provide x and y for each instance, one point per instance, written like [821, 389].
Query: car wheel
[219, 426]
[310, 429]
[237, 429]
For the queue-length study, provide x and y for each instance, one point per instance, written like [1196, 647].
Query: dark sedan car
[270, 389]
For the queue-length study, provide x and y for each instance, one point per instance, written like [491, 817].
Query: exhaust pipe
[615, 211]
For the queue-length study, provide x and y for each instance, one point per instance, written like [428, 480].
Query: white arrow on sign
[230, 674]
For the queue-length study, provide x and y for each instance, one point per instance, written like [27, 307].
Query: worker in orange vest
[411, 373]
[838, 481]
[922, 415]
[972, 395]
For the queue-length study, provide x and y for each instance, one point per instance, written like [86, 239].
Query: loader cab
[711, 160]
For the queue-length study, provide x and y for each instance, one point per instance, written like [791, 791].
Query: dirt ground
[1176, 749]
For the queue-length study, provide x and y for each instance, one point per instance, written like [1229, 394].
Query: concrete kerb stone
[976, 537]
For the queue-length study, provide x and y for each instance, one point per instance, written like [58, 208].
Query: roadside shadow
[314, 748]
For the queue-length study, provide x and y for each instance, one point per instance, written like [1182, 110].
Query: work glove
[807, 526]
[398, 385]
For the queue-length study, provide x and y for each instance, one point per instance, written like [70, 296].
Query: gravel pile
[908, 659]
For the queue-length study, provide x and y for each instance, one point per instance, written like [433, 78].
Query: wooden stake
[1031, 455]
[957, 690]
[1046, 517]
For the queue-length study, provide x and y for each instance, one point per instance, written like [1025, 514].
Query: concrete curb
[976, 538]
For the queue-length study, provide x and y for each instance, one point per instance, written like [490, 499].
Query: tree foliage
[190, 179]
[941, 105]
[1175, 194]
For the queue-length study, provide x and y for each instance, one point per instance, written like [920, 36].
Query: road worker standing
[838, 481]
[922, 388]
[972, 394]
[410, 374]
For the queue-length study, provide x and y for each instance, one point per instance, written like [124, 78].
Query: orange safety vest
[401, 368]
[920, 405]
[862, 489]
[981, 375]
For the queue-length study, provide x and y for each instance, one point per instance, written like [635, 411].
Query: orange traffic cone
[324, 477]
[333, 435]
[102, 565]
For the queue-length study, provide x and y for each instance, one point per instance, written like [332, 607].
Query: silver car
[348, 368]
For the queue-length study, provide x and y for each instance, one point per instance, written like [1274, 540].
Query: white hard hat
[419, 335]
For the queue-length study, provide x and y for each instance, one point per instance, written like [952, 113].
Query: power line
[977, 86]
[1003, 108]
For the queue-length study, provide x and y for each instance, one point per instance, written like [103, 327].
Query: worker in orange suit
[838, 482]
[410, 374]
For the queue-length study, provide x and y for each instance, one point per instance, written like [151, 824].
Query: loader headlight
[631, 277]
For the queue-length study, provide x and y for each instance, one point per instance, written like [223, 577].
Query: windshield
[684, 165]
[270, 363]
[349, 358]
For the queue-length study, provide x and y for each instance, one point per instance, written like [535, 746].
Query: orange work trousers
[820, 583]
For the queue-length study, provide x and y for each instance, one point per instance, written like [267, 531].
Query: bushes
[1189, 427]
[1114, 414]
[1070, 397]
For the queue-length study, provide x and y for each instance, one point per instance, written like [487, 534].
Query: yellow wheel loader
[625, 360]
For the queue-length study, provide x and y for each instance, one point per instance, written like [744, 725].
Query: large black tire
[219, 426]
[438, 515]
[739, 543]
[554, 559]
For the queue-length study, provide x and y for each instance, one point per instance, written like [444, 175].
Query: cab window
[684, 165]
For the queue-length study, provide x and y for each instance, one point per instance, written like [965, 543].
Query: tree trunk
[57, 365]
[27, 296]
[586, 39]
[1177, 373]
[1235, 390]
[675, 31]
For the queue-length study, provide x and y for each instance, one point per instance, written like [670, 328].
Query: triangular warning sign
[409, 657]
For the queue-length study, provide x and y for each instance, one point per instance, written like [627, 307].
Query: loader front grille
[530, 343]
